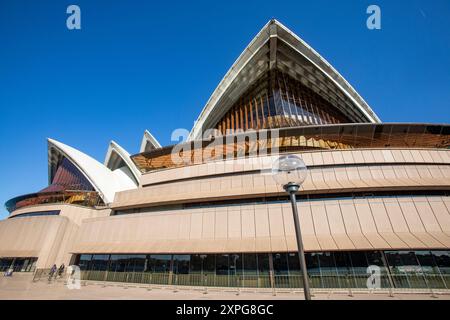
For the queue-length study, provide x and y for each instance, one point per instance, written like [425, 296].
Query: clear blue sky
[139, 65]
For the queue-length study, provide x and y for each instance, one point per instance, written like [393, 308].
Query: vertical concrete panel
[333, 212]
[307, 158]
[184, 227]
[388, 172]
[234, 223]
[398, 156]
[338, 158]
[337, 227]
[348, 157]
[441, 212]
[248, 222]
[209, 224]
[395, 215]
[170, 223]
[417, 156]
[350, 217]
[316, 176]
[330, 178]
[306, 219]
[407, 156]
[377, 156]
[262, 221]
[317, 158]
[288, 221]
[341, 175]
[358, 157]
[387, 155]
[276, 220]
[368, 156]
[327, 158]
[411, 215]
[380, 216]
[354, 178]
[221, 223]
[426, 214]
[320, 219]
[444, 155]
[426, 156]
[196, 225]
[352, 226]
[424, 173]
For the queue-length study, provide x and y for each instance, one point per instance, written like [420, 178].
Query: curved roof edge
[115, 148]
[301, 47]
[149, 139]
[105, 182]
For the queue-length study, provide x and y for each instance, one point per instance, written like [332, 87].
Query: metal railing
[408, 282]
[45, 274]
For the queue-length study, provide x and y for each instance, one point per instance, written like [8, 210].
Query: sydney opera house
[206, 212]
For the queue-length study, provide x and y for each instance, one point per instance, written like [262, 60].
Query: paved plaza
[21, 286]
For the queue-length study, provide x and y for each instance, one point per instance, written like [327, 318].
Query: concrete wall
[50, 238]
[329, 172]
[360, 224]
[413, 222]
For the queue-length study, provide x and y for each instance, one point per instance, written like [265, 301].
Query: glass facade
[68, 177]
[398, 269]
[38, 214]
[69, 185]
[275, 101]
[318, 137]
[18, 264]
[282, 199]
[81, 198]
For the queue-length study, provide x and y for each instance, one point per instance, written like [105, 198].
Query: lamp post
[290, 172]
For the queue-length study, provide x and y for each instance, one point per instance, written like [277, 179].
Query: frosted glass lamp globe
[289, 170]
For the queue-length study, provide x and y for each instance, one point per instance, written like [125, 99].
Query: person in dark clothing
[61, 270]
[52, 272]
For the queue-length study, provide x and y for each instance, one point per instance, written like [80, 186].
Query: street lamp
[290, 172]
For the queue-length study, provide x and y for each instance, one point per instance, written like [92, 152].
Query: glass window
[294, 264]
[113, 263]
[402, 261]
[442, 259]
[160, 263]
[326, 262]
[280, 264]
[359, 263]
[250, 264]
[312, 263]
[328, 270]
[209, 264]
[181, 264]
[85, 261]
[4, 264]
[236, 264]
[37, 214]
[196, 263]
[375, 258]
[405, 269]
[427, 263]
[121, 262]
[222, 264]
[100, 262]
[136, 263]
[343, 265]
[263, 264]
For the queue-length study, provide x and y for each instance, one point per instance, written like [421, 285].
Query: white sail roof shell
[246, 60]
[116, 149]
[149, 140]
[105, 181]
